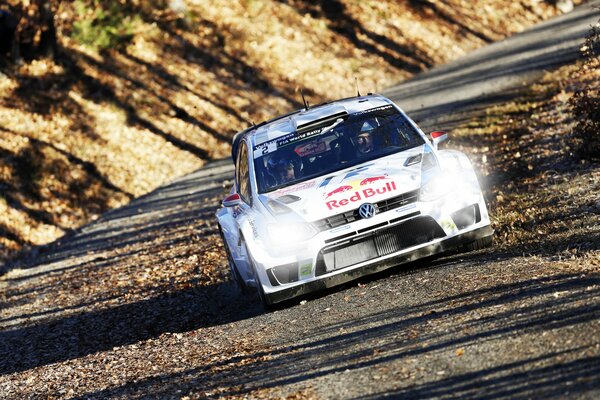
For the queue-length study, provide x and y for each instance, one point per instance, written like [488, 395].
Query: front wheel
[264, 298]
[478, 244]
[235, 274]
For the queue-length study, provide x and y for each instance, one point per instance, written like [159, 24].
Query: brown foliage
[97, 127]
[35, 33]
[542, 196]
[586, 100]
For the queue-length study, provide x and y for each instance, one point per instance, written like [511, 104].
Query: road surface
[79, 319]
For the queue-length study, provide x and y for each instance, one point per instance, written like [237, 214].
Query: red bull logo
[341, 189]
[368, 181]
[359, 195]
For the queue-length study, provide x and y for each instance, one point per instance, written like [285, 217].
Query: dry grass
[89, 131]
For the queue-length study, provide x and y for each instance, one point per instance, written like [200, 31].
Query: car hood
[347, 189]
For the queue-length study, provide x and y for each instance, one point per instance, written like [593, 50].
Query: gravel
[138, 304]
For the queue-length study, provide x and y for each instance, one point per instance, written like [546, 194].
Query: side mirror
[232, 200]
[438, 137]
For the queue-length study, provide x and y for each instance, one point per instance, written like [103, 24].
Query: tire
[235, 274]
[478, 244]
[263, 297]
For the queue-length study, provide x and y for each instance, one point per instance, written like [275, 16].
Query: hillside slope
[109, 120]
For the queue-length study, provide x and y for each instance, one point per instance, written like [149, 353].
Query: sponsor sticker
[296, 188]
[272, 145]
[354, 184]
[353, 196]
[340, 189]
[370, 180]
[264, 148]
[253, 227]
[387, 107]
[311, 148]
[406, 208]
[448, 224]
[305, 269]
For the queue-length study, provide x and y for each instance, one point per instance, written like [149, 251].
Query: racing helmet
[364, 140]
[368, 125]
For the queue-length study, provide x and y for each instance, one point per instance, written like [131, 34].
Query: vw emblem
[366, 210]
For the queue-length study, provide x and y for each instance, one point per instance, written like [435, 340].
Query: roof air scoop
[319, 117]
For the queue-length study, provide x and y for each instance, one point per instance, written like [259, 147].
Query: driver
[364, 139]
[282, 168]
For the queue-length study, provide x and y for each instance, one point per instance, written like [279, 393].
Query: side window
[242, 174]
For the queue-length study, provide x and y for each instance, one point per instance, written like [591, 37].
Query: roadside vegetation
[586, 99]
[110, 99]
[539, 161]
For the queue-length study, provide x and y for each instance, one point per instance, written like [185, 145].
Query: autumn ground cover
[541, 169]
[140, 304]
[155, 89]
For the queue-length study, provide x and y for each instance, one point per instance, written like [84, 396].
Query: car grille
[382, 206]
[378, 243]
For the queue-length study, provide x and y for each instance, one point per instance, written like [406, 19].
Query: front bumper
[376, 266]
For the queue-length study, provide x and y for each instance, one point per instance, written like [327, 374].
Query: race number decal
[265, 148]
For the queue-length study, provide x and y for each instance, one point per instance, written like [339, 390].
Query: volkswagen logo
[366, 210]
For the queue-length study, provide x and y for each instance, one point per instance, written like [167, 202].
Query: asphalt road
[492, 73]
[488, 324]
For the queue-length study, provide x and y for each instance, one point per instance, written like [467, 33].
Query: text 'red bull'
[362, 194]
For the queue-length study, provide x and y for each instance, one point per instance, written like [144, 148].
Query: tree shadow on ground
[196, 307]
[232, 70]
[398, 335]
[65, 332]
[174, 81]
[146, 93]
[89, 332]
[513, 380]
[422, 5]
[25, 188]
[194, 197]
[401, 56]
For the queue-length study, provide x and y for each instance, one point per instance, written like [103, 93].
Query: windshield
[303, 155]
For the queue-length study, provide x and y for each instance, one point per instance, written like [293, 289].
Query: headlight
[435, 188]
[276, 207]
[290, 233]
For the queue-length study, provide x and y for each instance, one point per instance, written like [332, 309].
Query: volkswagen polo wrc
[345, 189]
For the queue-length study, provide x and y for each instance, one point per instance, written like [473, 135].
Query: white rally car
[345, 189]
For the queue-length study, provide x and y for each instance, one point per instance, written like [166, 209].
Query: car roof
[302, 119]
